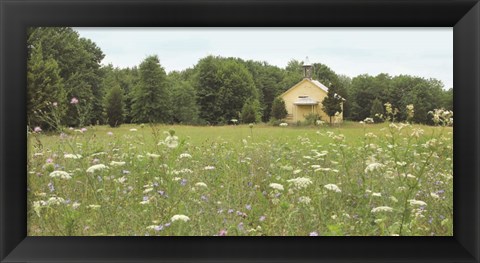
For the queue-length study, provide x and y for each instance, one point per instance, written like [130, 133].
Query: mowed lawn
[353, 179]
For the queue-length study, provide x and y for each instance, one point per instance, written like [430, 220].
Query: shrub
[251, 111]
[114, 106]
[279, 110]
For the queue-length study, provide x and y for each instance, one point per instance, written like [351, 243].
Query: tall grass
[354, 179]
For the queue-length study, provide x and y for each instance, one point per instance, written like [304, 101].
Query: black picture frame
[17, 15]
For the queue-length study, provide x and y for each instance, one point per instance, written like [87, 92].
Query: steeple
[307, 69]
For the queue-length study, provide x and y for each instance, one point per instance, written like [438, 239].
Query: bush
[311, 119]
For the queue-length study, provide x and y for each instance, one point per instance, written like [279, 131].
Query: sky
[423, 52]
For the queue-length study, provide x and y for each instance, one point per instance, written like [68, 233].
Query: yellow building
[306, 97]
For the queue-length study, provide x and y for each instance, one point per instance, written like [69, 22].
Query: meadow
[354, 179]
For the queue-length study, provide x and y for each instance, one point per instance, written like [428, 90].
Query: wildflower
[262, 218]
[414, 202]
[75, 205]
[60, 174]
[382, 209]
[248, 207]
[37, 129]
[183, 218]
[37, 206]
[83, 129]
[51, 187]
[283, 124]
[313, 234]
[201, 184]
[55, 201]
[72, 156]
[333, 187]
[377, 194]
[185, 155]
[368, 120]
[373, 166]
[209, 167]
[109, 133]
[94, 206]
[222, 232]
[133, 130]
[96, 167]
[74, 101]
[276, 186]
[304, 200]
[300, 182]
[113, 163]
[171, 141]
[153, 155]
[320, 122]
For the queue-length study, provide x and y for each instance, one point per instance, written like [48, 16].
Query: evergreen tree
[114, 106]
[46, 99]
[332, 103]
[377, 111]
[279, 110]
[251, 111]
[151, 98]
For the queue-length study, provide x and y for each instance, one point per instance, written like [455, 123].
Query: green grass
[373, 165]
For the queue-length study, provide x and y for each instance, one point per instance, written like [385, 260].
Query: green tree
[184, 102]
[151, 98]
[251, 111]
[223, 85]
[79, 62]
[332, 103]
[377, 110]
[279, 110]
[46, 99]
[114, 106]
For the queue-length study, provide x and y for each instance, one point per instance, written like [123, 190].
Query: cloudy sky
[424, 52]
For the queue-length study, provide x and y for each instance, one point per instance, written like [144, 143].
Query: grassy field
[354, 179]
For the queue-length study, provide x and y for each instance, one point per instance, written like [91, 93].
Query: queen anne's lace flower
[300, 182]
[333, 187]
[183, 218]
[60, 174]
[276, 186]
[96, 167]
[382, 209]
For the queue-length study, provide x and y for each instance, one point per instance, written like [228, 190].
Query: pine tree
[251, 111]
[114, 106]
[279, 110]
[377, 110]
[45, 91]
[151, 98]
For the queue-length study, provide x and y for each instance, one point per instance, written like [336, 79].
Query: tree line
[68, 86]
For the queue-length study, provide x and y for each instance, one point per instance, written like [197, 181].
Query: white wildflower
[61, 175]
[183, 218]
[209, 167]
[304, 200]
[297, 171]
[333, 187]
[113, 163]
[72, 156]
[37, 206]
[147, 190]
[201, 184]
[171, 141]
[94, 206]
[377, 194]
[121, 180]
[55, 201]
[97, 154]
[382, 209]
[300, 182]
[133, 130]
[153, 155]
[414, 202]
[276, 186]
[283, 124]
[373, 166]
[185, 155]
[96, 167]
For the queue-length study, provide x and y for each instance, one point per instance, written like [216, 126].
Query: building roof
[305, 101]
[315, 82]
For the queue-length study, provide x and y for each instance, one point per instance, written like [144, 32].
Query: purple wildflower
[222, 232]
[262, 218]
[74, 101]
[313, 234]
[248, 207]
[51, 187]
